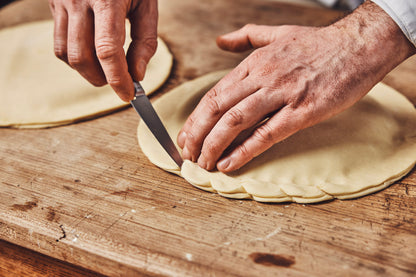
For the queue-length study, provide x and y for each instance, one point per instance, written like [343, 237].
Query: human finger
[246, 114]
[280, 126]
[81, 49]
[144, 37]
[109, 40]
[228, 92]
[60, 32]
[249, 37]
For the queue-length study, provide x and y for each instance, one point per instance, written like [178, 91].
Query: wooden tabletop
[86, 196]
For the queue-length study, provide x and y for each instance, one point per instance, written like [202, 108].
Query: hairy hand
[89, 35]
[296, 77]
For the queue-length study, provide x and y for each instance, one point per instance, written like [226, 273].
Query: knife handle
[138, 89]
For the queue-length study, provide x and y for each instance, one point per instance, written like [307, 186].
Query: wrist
[374, 39]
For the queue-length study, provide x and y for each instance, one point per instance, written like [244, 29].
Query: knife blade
[146, 111]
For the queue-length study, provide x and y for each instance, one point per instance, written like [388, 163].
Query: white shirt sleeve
[403, 12]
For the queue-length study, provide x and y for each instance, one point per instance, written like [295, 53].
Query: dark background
[5, 2]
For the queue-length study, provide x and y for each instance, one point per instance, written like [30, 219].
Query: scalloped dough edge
[243, 188]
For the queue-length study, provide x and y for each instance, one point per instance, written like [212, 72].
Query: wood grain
[86, 194]
[19, 261]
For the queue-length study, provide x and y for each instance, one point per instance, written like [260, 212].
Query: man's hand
[89, 35]
[297, 77]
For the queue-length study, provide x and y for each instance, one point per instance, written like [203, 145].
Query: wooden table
[85, 197]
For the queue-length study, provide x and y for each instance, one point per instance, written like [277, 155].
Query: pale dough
[362, 150]
[38, 90]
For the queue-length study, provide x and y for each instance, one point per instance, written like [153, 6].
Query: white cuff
[403, 12]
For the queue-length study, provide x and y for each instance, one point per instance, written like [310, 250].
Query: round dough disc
[362, 150]
[38, 90]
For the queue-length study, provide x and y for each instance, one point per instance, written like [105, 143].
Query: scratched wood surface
[18, 261]
[87, 195]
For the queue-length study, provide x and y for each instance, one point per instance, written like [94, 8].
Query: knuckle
[106, 50]
[212, 103]
[244, 152]
[74, 5]
[150, 43]
[213, 93]
[209, 148]
[60, 50]
[115, 81]
[100, 5]
[264, 134]
[213, 107]
[191, 138]
[188, 124]
[241, 71]
[75, 58]
[234, 117]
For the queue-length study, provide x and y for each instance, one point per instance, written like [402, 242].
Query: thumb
[144, 38]
[249, 37]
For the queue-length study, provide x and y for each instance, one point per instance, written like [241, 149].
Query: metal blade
[146, 111]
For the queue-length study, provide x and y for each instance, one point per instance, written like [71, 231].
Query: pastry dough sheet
[37, 90]
[360, 151]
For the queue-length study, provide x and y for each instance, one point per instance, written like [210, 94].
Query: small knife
[146, 111]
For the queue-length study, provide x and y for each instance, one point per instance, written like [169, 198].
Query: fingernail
[141, 69]
[224, 163]
[181, 139]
